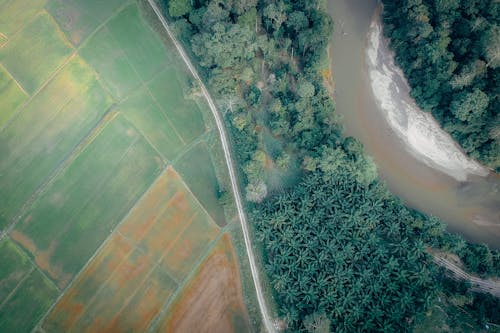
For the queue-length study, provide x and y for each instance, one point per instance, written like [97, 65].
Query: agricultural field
[109, 218]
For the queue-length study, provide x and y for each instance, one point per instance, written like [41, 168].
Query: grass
[16, 13]
[44, 133]
[34, 53]
[28, 303]
[184, 113]
[103, 52]
[75, 214]
[141, 110]
[143, 48]
[11, 94]
[15, 266]
[80, 18]
[202, 180]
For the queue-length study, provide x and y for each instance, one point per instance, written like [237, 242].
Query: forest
[342, 253]
[450, 54]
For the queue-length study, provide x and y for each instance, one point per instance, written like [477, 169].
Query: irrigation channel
[266, 319]
[419, 162]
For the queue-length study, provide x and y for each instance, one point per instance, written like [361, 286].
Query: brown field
[132, 277]
[212, 301]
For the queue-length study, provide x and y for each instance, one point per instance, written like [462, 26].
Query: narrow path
[232, 174]
[477, 284]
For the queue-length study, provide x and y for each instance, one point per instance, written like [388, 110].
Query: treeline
[450, 53]
[341, 252]
[458, 309]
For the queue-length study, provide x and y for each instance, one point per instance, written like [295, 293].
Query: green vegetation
[342, 253]
[31, 144]
[458, 310]
[12, 96]
[21, 54]
[202, 181]
[450, 53]
[94, 106]
[25, 294]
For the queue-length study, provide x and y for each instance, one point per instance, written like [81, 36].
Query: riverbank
[468, 207]
[419, 131]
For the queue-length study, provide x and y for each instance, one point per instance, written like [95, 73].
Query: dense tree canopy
[450, 52]
[341, 252]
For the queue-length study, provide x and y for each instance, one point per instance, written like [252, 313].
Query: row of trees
[341, 252]
[450, 53]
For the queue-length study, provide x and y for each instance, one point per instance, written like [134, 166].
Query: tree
[470, 106]
[177, 8]
[256, 192]
[317, 323]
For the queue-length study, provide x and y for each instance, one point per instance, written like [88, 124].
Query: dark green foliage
[341, 251]
[450, 53]
[347, 249]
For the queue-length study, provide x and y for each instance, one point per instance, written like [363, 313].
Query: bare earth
[212, 301]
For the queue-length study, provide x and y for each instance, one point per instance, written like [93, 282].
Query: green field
[35, 52]
[203, 182]
[85, 131]
[25, 294]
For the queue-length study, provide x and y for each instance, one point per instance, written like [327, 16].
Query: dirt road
[232, 174]
[477, 284]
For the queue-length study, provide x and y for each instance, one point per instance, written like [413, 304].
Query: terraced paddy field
[109, 219]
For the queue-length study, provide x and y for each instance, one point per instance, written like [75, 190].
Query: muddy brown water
[471, 207]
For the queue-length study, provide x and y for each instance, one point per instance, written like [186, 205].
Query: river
[418, 161]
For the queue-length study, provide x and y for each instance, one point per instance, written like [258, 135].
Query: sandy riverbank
[419, 131]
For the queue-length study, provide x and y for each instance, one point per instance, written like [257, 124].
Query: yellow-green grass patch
[142, 111]
[168, 89]
[3, 39]
[21, 312]
[11, 95]
[15, 13]
[75, 214]
[80, 18]
[15, 265]
[33, 54]
[198, 171]
[143, 47]
[103, 52]
[45, 132]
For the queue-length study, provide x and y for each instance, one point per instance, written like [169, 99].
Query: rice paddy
[108, 190]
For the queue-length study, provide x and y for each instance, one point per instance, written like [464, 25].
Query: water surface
[462, 194]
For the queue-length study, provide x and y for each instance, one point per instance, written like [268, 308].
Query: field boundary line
[164, 114]
[13, 291]
[21, 107]
[15, 33]
[134, 247]
[21, 248]
[99, 248]
[58, 30]
[141, 133]
[232, 173]
[94, 132]
[187, 148]
[156, 264]
[211, 219]
[146, 87]
[103, 23]
[2, 35]
[13, 78]
[181, 286]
